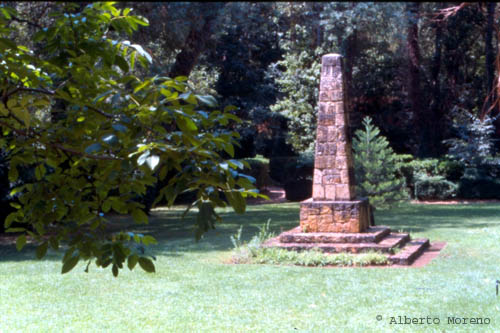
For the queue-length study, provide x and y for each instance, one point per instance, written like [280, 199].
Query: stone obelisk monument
[333, 220]
[333, 207]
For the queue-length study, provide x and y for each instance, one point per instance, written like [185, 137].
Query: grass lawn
[194, 290]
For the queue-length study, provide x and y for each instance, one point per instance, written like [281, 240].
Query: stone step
[394, 240]
[409, 252]
[371, 235]
[386, 245]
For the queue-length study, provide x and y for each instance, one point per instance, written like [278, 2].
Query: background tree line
[426, 74]
[410, 66]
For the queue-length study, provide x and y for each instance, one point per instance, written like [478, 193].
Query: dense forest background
[425, 73]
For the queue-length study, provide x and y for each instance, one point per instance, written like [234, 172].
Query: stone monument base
[334, 216]
[346, 226]
[398, 247]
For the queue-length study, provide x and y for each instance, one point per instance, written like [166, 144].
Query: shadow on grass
[421, 218]
[176, 235]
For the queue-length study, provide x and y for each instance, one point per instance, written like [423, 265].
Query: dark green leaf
[139, 216]
[20, 242]
[236, 201]
[148, 240]
[147, 264]
[132, 261]
[93, 148]
[70, 263]
[119, 127]
[41, 250]
[10, 218]
[122, 63]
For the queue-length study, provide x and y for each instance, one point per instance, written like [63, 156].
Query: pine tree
[376, 168]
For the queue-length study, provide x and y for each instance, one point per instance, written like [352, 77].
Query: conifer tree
[375, 166]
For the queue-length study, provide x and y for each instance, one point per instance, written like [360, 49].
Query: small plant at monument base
[315, 257]
[253, 253]
[243, 252]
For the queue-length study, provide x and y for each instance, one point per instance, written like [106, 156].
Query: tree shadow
[176, 235]
[421, 218]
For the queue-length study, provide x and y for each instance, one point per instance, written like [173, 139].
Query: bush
[295, 174]
[259, 169]
[480, 182]
[451, 170]
[298, 190]
[246, 144]
[416, 170]
[434, 187]
[375, 165]
[473, 144]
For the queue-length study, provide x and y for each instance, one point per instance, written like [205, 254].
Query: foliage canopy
[97, 135]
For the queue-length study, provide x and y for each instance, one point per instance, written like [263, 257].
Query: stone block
[336, 95]
[320, 162]
[339, 119]
[334, 216]
[331, 59]
[330, 162]
[332, 107]
[326, 71]
[322, 108]
[321, 148]
[318, 191]
[326, 119]
[330, 192]
[326, 210]
[344, 176]
[341, 150]
[332, 134]
[343, 192]
[331, 179]
[340, 161]
[321, 134]
[339, 107]
[318, 176]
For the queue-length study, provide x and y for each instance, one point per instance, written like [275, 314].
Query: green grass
[195, 290]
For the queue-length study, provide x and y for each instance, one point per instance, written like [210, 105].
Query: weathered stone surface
[371, 235]
[333, 151]
[386, 245]
[410, 252]
[334, 216]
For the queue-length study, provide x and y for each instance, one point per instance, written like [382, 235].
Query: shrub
[480, 182]
[434, 187]
[473, 144]
[245, 148]
[376, 169]
[259, 169]
[295, 174]
[451, 170]
[315, 257]
[422, 170]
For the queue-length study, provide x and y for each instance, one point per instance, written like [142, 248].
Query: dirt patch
[275, 194]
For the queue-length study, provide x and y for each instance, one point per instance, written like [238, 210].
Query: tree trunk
[414, 91]
[195, 44]
[436, 111]
[351, 51]
[489, 56]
